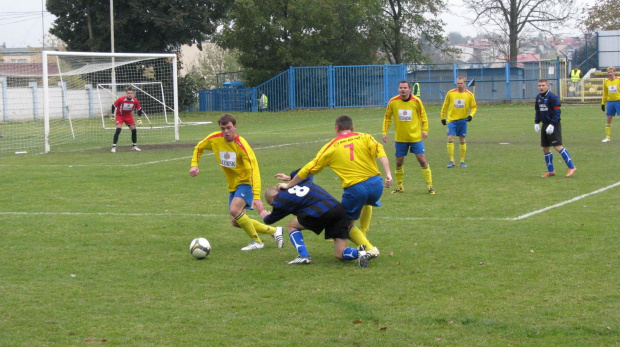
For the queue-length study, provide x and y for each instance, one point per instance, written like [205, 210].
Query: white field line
[524, 216]
[173, 159]
[577, 198]
[111, 214]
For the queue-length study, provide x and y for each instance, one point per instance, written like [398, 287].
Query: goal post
[79, 91]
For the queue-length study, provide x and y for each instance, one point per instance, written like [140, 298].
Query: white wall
[21, 105]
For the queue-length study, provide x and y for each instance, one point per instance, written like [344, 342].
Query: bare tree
[518, 17]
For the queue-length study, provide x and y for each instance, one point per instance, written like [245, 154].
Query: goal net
[152, 99]
[61, 101]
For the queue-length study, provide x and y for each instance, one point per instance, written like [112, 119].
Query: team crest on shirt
[228, 159]
[613, 89]
[127, 107]
[542, 107]
[405, 115]
[459, 103]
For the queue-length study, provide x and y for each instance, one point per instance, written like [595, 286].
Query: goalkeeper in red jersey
[236, 158]
[122, 111]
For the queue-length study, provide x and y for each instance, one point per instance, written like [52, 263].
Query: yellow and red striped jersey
[611, 90]
[236, 159]
[410, 119]
[351, 156]
[458, 105]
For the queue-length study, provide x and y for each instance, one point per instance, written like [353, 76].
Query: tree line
[269, 36]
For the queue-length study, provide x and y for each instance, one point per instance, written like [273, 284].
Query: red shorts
[125, 119]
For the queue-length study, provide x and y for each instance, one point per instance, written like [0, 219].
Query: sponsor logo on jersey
[228, 159]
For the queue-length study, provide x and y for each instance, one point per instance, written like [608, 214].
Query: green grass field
[94, 245]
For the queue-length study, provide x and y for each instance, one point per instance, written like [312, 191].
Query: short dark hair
[344, 122]
[543, 80]
[403, 81]
[128, 89]
[227, 118]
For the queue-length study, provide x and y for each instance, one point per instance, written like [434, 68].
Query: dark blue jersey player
[314, 209]
[548, 112]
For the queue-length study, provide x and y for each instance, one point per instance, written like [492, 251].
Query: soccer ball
[200, 248]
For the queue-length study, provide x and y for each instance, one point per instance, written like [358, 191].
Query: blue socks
[567, 158]
[549, 161]
[297, 239]
[349, 253]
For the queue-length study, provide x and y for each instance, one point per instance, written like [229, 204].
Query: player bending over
[314, 209]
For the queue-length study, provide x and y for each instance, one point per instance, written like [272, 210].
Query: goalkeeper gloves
[550, 129]
[112, 117]
[469, 118]
[537, 127]
[139, 122]
[443, 121]
[603, 107]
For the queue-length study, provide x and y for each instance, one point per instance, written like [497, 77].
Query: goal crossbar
[124, 59]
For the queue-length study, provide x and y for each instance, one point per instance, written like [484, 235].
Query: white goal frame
[46, 94]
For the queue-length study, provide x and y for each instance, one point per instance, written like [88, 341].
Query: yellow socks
[428, 177]
[262, 228]
[357, 237]
[399, 174]
[463, 150]
[365, 218]
[246, 224]
[608, 131]
[451, 150]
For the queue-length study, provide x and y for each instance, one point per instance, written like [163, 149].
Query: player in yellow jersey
[410, 128]
[236, 158]
[458, 109]
[352, 156]
[611, 99]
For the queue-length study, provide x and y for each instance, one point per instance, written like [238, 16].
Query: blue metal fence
[374, 85]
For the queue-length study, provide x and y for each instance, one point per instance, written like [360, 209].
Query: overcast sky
[23, 24]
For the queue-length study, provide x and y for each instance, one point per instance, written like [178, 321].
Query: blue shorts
[364, 193]
[244, 191]
[402, 148]
[457, 127]
[613, 108]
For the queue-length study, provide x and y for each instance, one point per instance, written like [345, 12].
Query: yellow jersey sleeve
[201, 147]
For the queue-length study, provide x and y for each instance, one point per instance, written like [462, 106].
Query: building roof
[25, 50]
[528, 57]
